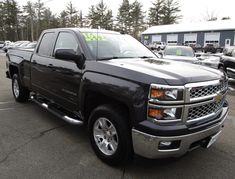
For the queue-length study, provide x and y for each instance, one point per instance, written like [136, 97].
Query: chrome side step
[56, 112]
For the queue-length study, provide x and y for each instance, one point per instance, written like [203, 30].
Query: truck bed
[20, 54]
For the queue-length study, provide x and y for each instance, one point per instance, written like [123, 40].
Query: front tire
[20, 93]
[109, 135]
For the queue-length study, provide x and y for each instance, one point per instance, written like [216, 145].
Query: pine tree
[124, 17]
[100, 16]
[137, 21]
[2, 31]
[63, 19]
[73, 18]
[156, 13]
[39, 7]
[31, 15]
[10, 21]
[170, 9]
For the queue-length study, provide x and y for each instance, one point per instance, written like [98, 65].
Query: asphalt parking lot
[36, 144]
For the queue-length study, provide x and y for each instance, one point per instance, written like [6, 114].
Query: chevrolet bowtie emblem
[218, 97]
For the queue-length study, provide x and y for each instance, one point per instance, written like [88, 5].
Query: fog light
[169, 145]
[165, 143]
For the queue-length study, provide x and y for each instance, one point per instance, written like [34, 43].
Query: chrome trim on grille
[204, 85]
[204, 117]
[188, 102]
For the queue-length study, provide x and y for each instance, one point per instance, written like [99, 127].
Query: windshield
[179, 51]
[115, 46]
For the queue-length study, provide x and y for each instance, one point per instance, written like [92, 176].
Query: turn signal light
[155, 113]
[157, 93]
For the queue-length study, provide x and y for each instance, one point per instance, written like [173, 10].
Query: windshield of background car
[107, 45]
[179, 51]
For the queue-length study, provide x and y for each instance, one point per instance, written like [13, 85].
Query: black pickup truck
[131, 101]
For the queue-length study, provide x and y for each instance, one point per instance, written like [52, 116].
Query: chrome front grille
[204, 110]
[203, 91]
[201, 101]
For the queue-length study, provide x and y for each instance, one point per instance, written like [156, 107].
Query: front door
[66, 77]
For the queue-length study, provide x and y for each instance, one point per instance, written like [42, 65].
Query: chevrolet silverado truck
[130, 101]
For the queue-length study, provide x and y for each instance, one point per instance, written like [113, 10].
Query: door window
[46, 44]
[66, 41]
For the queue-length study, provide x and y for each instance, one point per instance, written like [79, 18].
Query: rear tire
[110, 135]
[20, 93]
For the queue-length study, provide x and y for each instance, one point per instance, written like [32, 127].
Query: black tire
[23, 93]
[124, 151]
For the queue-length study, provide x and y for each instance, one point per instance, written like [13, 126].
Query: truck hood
[181, 58]
[155, 70]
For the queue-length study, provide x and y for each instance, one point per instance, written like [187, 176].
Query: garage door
[190, 38]
[156, 38]
[212, 38]
[172, 39]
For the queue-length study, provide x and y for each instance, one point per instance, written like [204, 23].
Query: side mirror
[70, 54]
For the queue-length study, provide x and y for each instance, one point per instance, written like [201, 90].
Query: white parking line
[6, 102]
[6, 109]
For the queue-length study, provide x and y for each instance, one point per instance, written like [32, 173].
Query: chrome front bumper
[148, 145]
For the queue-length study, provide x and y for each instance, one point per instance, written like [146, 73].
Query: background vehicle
[213, 48]
[7, 42]
[157, 46]
[179, 53]
[130, 100]
[16, 44]
[31, 45]
[196, 47]
[211, 60]
[227, 51]
[2, 44]
[228, 63]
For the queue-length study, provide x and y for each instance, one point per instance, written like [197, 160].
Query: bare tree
[210, 16]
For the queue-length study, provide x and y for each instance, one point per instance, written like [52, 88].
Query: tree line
[28, 21]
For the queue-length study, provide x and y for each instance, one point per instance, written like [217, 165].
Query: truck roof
[85, 30]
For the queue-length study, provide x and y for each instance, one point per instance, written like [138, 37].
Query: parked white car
[157, 45]
[2, 44]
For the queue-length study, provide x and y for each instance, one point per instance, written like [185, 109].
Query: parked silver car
[180, 53]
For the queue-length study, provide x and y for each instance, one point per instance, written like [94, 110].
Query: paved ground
[35, 144]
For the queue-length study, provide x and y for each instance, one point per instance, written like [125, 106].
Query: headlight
[166, 93]
[165, 103]
[165, 114]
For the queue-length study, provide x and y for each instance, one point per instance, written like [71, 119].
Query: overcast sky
[191, 10]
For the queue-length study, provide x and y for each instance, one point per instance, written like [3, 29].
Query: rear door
[41, 71]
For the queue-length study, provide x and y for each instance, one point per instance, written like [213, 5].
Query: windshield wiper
[146, 57]
[111, 58]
